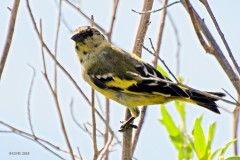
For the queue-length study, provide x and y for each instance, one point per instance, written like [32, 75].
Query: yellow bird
[127, 79]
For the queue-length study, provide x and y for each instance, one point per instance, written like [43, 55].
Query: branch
[115, 6]
[211, 46]
[35, 138]
[157, 10]
[236, 114]
[95, 149]
[178, 44]
[29, 98]
[60, 115]
[56, 44]
[142, 28]
[127, 151]
[205, 3]
[85, 16]
[107, 118]
[9, 35]
[160, 33]
[155, 59]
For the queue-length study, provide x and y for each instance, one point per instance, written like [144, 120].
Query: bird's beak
[75, 37]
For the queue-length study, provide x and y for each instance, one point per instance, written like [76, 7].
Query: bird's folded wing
[146, 80]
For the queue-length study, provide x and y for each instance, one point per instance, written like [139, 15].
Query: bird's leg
[127, 124]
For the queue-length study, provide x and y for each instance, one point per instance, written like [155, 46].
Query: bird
[127, 79]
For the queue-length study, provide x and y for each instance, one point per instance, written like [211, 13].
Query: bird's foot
[127, 125]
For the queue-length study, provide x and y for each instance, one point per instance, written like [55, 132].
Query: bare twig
[79, 153]
[226, 109]
[237, 103]
[158, 44]
[76, 122]
[211, 46]
[96, 152]
[162, 61]
[236, 114]
[127, 140]
[56, 44]
[127, 152]
[60, 115]
[105, 150]
[55, 96]
[85, 16]
[35, 139]
[178, 44]
[138, 131]
[106, 132]
[8, 42]
[115, 6]
[142, 28]
[160, 33]
[29, 99]
[205, 3]
[157, 10]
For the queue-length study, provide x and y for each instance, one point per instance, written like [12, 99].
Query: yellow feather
[120, 83]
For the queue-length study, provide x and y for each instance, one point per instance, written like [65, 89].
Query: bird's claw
[126, 125]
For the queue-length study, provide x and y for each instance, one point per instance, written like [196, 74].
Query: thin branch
[34, 138]
[178, 43]
[106, 132]
[8, 42]
[226, 109]
[157, 51]
[84, 129]
[127, 152]
[60, 115]
[85, 16]
[105, 150]
[79, 153]
[205, 3]
[115, 6]
[127, 140]
[237, 103]
[56, 44]
[163, 62]
[157, 10]
[236, 114]
[29, 99]
[160, 33]
[142, 28]
[211, 46]
[138, 131]
[96, 152]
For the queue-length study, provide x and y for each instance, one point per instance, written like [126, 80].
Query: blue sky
[198, 68]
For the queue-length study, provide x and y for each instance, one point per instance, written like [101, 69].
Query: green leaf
[181, 109]
[211, 132]
[233, 158]
[166, 120]
[214, 153]
[160, 69]
[226, 147]
[174, 132]
[199, 139]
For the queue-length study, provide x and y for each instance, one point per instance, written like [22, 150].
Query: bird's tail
[205, 100]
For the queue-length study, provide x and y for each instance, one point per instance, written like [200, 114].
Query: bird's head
[87, 39]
